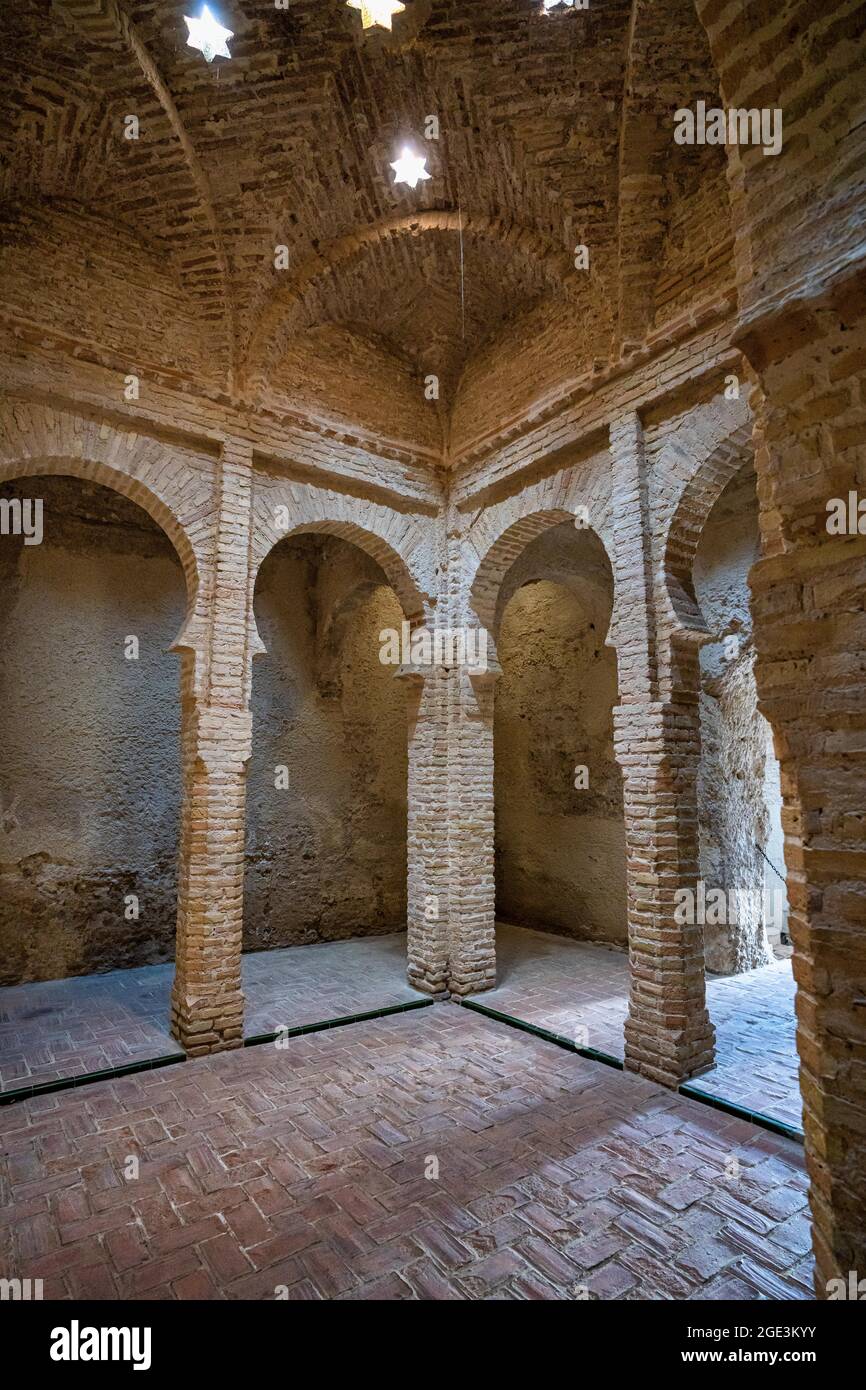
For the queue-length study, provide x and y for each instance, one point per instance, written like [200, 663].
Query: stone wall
[736, 821]
[326, 856]
[90, 779]
[560, 848]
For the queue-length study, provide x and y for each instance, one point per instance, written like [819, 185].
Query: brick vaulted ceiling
[554, 130]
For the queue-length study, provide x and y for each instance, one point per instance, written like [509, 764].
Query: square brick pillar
[472, 883]
[809, 611]
[426, 834]
[451, 887]
[207, 1000]
[668, 1034]
[452, 890]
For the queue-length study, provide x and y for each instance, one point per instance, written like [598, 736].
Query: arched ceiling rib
[105, 22]
[553, 131]
[668, 67]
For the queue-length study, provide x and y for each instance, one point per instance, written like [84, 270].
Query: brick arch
[122, 483]
[391, 540]
[37, 440]
[715, 465]
[498, 559]
[268, 334]
[543, 506]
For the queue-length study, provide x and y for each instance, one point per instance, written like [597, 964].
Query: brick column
[207, 1002]
[472, 891]
[668, 1034]
[451, 868]
[808, 602]
[451, 888]
[426, 831]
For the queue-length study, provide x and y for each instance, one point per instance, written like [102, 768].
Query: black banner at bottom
[59, 1340]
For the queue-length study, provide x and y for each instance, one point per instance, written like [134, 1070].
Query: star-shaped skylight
[409, 168]
[207, 34]
[376, 11]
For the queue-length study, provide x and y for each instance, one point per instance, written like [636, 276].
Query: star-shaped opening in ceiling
[409, 168]
[208, 35]
[376, 11]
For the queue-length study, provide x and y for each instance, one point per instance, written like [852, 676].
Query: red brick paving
[88, 1023]
[304, 1168]
[69, 1027]
[579, 990]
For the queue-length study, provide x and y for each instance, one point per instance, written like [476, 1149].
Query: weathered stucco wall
[90, 773]
[326, 857]
[738, 809]
[560, 851]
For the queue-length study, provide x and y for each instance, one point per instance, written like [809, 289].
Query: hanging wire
[771, 864]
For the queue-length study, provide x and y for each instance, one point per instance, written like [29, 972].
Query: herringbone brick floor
[756, 1042]
[330, 979]
[88, 1023]
[60, 1028]
[71, 1027]
[432, 1154]
[580, 991]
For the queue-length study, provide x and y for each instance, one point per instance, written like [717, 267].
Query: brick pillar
[451, 805]
[207, 1001]
[451, 889]
[809, 612]
[472, 886]
[668, 1034]
[426, 831]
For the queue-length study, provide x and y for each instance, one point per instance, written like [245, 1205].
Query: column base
[670, 1057]
[474, 983]
[208, 1024]
[428, 980]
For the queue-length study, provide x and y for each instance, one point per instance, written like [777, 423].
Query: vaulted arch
[394, 542]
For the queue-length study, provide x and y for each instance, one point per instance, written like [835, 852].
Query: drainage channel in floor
[259, 1038]
[689, 1089]
[88, 1078]
[69, 1083]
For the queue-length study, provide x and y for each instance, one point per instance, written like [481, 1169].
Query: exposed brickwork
[207, 1003]
[304, 1173]
[304, 388]
[796, 239]
[808, 606]
[668, 1033]
[795, 216]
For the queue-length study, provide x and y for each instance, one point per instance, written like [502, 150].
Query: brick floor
[580, 991]
[71, 1027]
[334, 979]
[431, 1154]
[64, 1028]
[573, 988]
[756, 1042]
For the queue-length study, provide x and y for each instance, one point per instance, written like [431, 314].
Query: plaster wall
[326, 857]
[90, 773]
[560, 851]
